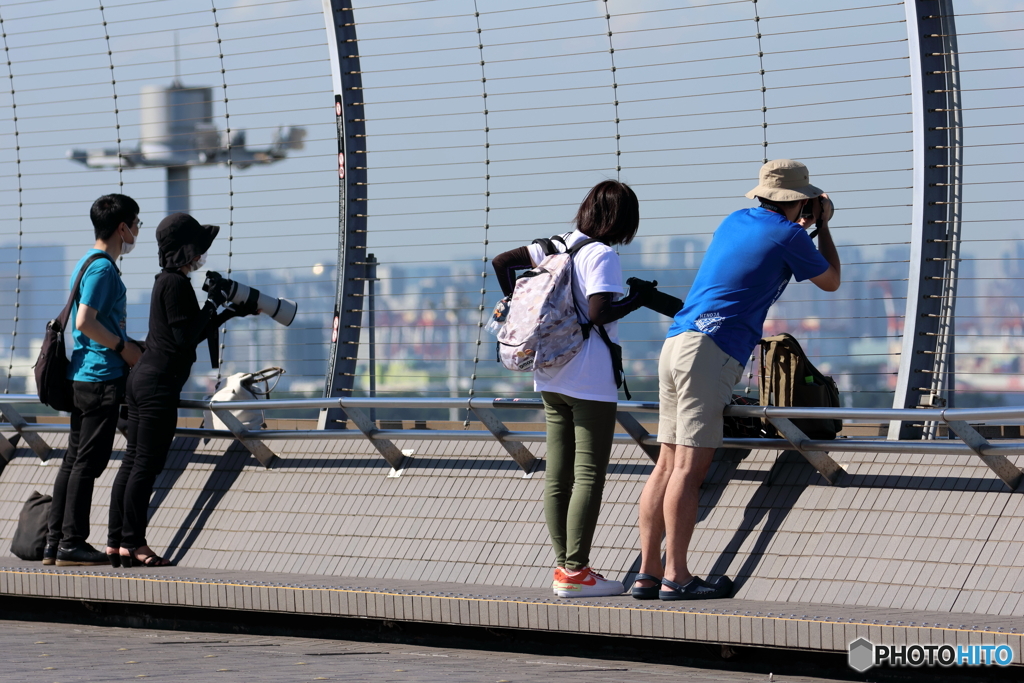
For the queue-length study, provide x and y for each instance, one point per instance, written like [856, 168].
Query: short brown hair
[610, 213]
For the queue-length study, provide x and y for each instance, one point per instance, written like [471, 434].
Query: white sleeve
[599, 271]
[536, 253]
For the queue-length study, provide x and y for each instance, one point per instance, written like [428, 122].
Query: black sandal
[649, 593]
[154, 560]
[697, 589]
[115, 559]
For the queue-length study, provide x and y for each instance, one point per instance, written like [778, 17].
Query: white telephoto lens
[281, 310]
[237, 293]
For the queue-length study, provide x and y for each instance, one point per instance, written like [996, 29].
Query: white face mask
[199, 263]
[126, 247]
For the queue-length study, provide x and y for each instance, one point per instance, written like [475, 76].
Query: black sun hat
[180, 239]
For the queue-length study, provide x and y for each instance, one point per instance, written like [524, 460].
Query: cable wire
[230, 168]
[482, 307]
[21, 217]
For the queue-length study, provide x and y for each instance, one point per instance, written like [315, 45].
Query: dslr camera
[825, 208]
[281, 310]
[656, 300]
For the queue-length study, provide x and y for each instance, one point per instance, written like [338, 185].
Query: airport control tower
[178, 132]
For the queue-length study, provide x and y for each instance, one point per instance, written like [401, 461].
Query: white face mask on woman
[198, 263]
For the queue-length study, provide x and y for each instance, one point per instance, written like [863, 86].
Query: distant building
[35, 298]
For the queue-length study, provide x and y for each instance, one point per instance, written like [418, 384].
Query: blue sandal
[649, 593]
[697, 589]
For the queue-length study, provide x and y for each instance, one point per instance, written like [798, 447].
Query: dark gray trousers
[93, 424]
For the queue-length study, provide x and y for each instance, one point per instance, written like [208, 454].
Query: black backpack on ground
[743, 427]
[30, 536]
[51, 368]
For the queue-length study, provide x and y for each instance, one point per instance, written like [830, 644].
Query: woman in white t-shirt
[580, 397]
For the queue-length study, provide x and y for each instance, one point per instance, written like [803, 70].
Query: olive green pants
[579, 438]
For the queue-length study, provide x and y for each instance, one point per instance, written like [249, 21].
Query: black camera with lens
[281, 310]
[825, 207]
[657, 301]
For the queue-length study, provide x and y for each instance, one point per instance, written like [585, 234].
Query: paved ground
[34, 652]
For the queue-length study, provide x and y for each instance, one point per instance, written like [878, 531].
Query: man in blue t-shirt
[99, 367]
[748, 264]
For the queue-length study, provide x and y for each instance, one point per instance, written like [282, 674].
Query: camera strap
[586, 326]
[213, 342]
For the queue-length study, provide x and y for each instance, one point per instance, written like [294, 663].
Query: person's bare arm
[88, 325]
[830, 280]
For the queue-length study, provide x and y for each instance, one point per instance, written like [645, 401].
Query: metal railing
[968, 442]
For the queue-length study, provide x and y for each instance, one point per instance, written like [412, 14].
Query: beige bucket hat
[784, 180]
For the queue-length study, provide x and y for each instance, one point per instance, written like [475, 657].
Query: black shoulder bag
[51, 368]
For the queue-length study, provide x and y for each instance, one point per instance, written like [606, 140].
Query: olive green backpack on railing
[788, 379]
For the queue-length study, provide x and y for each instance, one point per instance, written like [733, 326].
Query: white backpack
[543, 328]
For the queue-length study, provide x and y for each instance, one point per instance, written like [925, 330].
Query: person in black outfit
[176, 325]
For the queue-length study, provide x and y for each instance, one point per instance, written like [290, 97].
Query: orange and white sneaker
[558, 580]
[586, 583]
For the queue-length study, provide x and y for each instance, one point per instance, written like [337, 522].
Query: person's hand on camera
[644, 289]
[826, 209]
[233, 310]
[821, 211]
[217, 295]
[244, 309]
[650, 297]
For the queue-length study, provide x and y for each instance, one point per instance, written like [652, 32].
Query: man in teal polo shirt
[102, 355]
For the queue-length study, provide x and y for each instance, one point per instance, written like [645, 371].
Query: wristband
[120, 347]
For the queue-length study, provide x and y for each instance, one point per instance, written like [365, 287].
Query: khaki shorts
[695, 382]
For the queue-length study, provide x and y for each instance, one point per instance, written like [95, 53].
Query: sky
[671, 102]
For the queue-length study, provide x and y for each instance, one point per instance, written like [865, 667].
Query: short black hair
[782, 205]
[610, 213]
[109, 211]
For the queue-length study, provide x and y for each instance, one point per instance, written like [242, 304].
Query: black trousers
[153, 394]
[93, 423]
